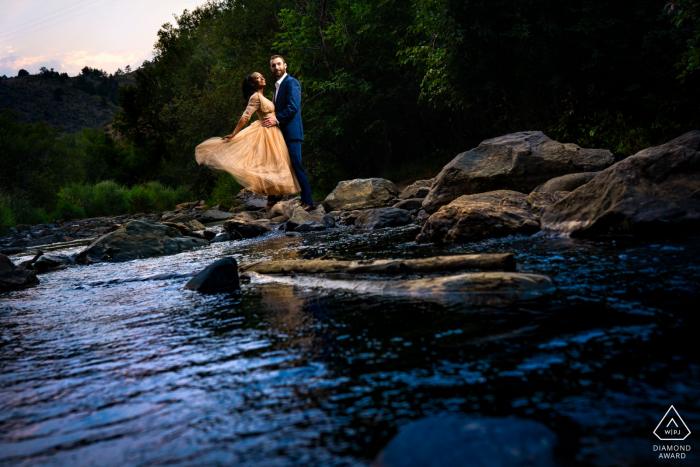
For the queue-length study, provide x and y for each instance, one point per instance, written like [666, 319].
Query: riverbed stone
[383, 217]
[455, 440]
[418, 189]
[214, 215]
[246, 229]
[284, 209]
[654, 192]
[361, 193]
[412, 204]
[539, 201]
[13, 277]
[138, 239]
[567, 182]
[220, 276]
[47, 240]
[251, 201]
[484, 215]
[301, 217]
[176, 217]
[517, 161]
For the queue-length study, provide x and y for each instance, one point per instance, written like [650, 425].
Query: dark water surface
[99, 368]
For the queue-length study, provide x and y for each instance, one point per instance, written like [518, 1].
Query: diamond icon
[672, 427]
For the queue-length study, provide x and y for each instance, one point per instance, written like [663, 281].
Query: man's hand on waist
[270, 121]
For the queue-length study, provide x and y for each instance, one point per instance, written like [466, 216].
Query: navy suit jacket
[288, 109]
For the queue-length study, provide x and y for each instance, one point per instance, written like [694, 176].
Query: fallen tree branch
[504, 262]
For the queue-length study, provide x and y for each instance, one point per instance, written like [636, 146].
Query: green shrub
[225, 190]
[79, 194]
[140, 199]
[108, 199]
[7, 219]
[66, 209]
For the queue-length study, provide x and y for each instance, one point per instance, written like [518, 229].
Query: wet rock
[23, 227]
[246, 229]
[194, 225]
[279, 220]
[349, 218]
[412, 205]
[566, 182]
[485, 215]
[418, 189]
[50, 262]
[285, 209]
[422, 217]
[176, 217]
[301, 217]
[310, 227]
[208, 234]
[222, 237]
[14, 278]
[12, 250]
[361, 193]
[44, 240]
[251, 201]
[220, 276]
[184, 230]
[539, 201]
[470, 442]
[220, 207]
[518, 162]
[654, 192]
[292, 234]
[111, 228]
[249, 216]
[383, 217]
[138, 239]
[214, 216]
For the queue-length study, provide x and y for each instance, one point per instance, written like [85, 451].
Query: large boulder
[214, 215]
[412, 204]
[138, 239]
[539, 201]
[250, 200]
[284, 209]
[485, 215]
[470, 442]
[220, 276]
[382, 217]
[566, 182]
[418, 189]
[313, 220]
[656, 191]
[242, 229]
[361, 193]
[13, 278]
[518, 161]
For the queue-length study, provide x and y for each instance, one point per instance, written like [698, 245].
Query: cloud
[71, 62]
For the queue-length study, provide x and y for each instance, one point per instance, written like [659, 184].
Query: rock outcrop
[13, 277]
[566, 182]
[418, 189]
[656, 191]
[284, 209]
[138, 239]
[538, 202]
[361, 193]
[382, 217]
[470, 441]
[412, 204]
[220, 276]
[241, 229]
[518, 161]
[475, 217]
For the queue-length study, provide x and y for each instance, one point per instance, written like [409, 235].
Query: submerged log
[504, 261]
[475, 287]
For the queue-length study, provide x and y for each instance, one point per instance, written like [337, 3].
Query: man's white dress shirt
[277, 89]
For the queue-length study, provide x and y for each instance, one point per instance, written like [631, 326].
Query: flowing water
[117, 364]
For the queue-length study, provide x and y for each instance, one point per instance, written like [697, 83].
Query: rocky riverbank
[518, 184]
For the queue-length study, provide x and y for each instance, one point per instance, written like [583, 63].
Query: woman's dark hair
[247, 87]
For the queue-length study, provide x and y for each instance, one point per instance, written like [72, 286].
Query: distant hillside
[87, 100]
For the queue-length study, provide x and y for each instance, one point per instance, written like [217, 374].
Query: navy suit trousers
[294, 147]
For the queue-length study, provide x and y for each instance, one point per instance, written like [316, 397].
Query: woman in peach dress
[257, 157]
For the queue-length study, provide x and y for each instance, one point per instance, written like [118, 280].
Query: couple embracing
[265, 157]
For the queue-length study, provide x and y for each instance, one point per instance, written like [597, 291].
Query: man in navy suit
[288, 116]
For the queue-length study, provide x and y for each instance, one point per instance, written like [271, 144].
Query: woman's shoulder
[254, 97]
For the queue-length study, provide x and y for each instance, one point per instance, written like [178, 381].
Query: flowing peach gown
[257, 157]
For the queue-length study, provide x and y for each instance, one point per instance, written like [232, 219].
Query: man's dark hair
[278, 56]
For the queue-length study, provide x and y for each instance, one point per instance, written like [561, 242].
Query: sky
[67, 35]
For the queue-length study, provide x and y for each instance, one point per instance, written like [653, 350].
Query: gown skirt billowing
[257, 157]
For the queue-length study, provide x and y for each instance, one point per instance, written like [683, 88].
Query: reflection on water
[100, 369]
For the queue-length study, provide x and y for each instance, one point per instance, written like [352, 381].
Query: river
[117, 364]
